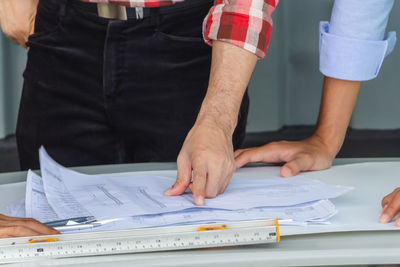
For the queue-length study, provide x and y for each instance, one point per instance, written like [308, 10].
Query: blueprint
[36, 203]
[357, 210]
[107, 197]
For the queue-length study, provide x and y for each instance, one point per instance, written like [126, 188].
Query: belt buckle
[111, 11]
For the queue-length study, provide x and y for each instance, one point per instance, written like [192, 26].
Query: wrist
[217, 116]
[331, 142]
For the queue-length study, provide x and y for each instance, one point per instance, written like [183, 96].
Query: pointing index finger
[199, 185]
[391, 210]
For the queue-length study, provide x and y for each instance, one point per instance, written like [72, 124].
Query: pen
[77, 227]
[64, 222]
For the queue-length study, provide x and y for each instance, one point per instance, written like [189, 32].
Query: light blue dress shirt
[353, 45]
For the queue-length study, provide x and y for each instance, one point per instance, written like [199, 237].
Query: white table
[342, 248]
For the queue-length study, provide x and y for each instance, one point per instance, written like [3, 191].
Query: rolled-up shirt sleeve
[244, 23]
[353, 45]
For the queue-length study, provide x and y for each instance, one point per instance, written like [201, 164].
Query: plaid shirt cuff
[244, 23]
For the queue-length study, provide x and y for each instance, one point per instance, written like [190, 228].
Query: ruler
[139, 240]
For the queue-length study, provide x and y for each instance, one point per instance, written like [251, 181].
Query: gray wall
[286, 86]
[12, 64]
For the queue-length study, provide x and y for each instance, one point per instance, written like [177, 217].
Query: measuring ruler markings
[141, 240]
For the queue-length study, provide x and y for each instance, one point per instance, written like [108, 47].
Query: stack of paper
[138, 201]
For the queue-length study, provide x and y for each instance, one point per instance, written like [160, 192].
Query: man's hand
[17, 19]
[307, 155]
[209, 152]
[391, 206]
[16, 227]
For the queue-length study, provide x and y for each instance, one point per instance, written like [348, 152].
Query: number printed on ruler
[140, 240]
[138, 244]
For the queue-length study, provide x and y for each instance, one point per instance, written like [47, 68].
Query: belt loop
[155, 15]
[139, 13]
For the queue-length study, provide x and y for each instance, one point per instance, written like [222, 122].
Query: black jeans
[101, 91]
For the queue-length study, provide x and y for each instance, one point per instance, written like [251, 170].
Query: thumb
[183, 178]
[299, 163]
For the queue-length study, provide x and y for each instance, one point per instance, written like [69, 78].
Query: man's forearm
[338, 101]
[231, 70]
[206, 161]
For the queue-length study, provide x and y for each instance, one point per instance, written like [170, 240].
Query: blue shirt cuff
[352, 59]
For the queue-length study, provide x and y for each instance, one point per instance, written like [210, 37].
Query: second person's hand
[307, 155]
[205, 164]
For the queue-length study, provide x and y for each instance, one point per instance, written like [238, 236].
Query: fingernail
[167, 192]
[199, 200]
[287, 172]
[384, 218]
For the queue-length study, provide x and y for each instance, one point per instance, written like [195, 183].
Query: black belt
[139, 13]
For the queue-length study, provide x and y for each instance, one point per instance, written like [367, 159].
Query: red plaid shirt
[244, 23]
